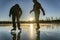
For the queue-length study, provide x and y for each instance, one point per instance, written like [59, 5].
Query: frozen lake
[46, 32]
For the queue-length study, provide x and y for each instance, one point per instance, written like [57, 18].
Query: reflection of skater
[18, 36]
[15, 36]
[36, 8]
[16, 13]
[38, 35]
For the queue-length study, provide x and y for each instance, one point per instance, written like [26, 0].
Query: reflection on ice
[31, 27]
[46, 32]
[31, 31]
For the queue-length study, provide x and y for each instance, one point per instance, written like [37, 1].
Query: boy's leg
[18, 23]
[37, 19]
[14, 24]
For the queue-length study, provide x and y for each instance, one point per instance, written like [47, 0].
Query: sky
[51, 7]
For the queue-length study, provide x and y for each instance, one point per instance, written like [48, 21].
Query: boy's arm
[42, 10]
[20, 12]
[31, 11]
[10, 13]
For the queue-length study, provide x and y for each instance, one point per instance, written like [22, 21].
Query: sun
[31, 19]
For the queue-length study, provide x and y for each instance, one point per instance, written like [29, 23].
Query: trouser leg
[13, 21]
[37, 20]
[18, 23]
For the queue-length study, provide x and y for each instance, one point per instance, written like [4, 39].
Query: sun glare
[31, 30]
[31, 26]
[31, 19]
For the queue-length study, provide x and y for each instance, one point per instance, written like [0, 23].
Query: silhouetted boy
[16, 13]
[36, 8]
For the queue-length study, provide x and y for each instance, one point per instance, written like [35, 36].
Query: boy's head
[16, 4]
[34, 1]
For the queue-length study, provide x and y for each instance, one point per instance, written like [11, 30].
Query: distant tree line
[51, 18]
